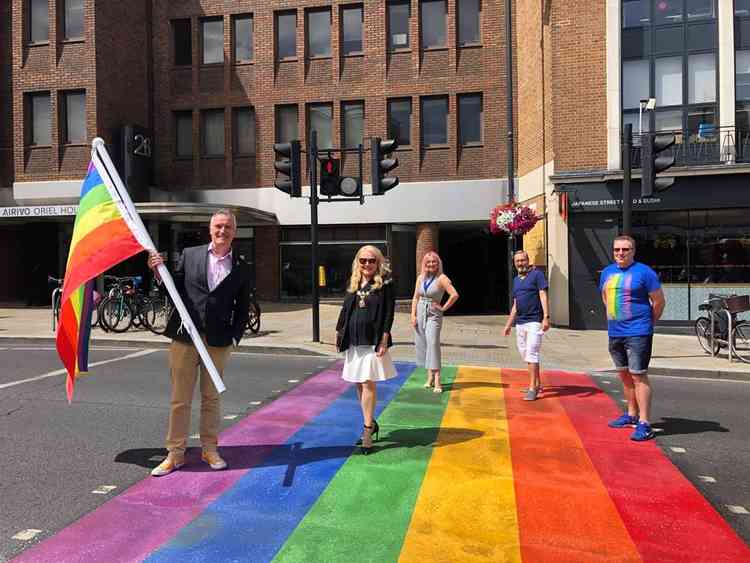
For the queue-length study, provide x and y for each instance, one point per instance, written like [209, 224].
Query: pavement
[466, 340]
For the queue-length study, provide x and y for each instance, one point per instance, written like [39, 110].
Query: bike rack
[730, 305]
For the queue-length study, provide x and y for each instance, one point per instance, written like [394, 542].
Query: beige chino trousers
[184, 366]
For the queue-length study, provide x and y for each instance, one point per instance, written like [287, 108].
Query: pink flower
[512, 218]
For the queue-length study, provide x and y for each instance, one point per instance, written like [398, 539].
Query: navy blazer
[221, 315]
[381, 305]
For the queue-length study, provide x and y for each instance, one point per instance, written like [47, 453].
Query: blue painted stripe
[92, 180]
[253, 520]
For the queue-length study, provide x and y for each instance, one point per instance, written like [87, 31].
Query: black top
[365, 326]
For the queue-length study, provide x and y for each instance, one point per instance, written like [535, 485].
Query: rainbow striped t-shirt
[628, 304]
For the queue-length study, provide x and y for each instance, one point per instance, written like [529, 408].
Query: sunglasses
[364, 261]
[623, 249]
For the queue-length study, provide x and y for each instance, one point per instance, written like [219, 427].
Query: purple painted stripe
[132, 525]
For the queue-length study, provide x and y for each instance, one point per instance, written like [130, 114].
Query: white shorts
[362, 364]
[529, 341]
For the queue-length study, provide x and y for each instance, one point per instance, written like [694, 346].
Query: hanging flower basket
[512, 219]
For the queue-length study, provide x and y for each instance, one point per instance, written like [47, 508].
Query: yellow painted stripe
[94, 218]
[466, 509]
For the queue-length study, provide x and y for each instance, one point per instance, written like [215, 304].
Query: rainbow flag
[101, 239]
[473, 474]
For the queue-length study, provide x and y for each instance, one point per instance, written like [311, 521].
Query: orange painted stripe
[565, 512]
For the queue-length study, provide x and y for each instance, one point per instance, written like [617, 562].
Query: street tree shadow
[473, 384]
[672, 426]
[550, 391]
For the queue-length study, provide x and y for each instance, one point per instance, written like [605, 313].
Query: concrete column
[726, 80]
[427, 240]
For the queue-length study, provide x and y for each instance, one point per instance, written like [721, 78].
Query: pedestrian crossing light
[381, 164]
[288, 170]
[652, 163]
[329, 176]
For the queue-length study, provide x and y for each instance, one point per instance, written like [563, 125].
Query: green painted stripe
[95, 196]
[365, 512]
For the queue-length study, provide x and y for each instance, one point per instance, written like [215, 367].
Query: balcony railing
[707, 145]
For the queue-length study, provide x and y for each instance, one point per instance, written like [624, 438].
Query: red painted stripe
[668, 519]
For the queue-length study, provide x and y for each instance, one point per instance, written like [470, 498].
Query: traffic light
[288, 168]
[381, 165]
[329, 176]
[652, 163]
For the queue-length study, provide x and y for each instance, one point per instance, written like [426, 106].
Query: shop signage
[26, 212]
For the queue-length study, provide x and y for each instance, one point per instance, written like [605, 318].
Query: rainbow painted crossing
[474, 474]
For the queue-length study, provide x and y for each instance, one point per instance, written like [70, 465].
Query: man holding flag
[215, 286]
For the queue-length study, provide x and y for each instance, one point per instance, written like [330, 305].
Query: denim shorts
[631, 352]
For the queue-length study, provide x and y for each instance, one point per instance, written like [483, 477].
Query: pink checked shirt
[218, 267]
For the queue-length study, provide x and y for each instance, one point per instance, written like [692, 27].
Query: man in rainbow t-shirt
[634, 301]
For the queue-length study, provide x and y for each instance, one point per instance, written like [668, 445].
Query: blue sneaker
[642, 432]
[623, 421]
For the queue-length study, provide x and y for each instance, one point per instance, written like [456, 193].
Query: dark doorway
[477, 264]
[39, 251]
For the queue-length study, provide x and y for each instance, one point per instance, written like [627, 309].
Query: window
[351, 32]
[287, 124]
[244, 132]
[75, 117]
[40, 119]
[697, 9]
[399, 121]
[469, 22]
[634, 83]
[636, 13]
[73, 19]
[433, 23]
[183, 42]
[742, 8]
[701, 78]
[354, 118]
[398, 24]
[38, 21]
[742, 75]
[212, 35]
[668, 77]
[470, 117]
[184, 134]
[213, 132]
[435, 121]
[243, 39]
[318, 33]
[320, 118]
[668, 12]
[286, 35]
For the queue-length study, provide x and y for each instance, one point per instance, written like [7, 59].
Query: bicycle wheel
[156, 315]
[117, 314]
[703, 332]
[94, 317]
[56, 297]
[741, 342]
[253, 321]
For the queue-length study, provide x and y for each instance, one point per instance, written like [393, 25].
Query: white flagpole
[107, 171]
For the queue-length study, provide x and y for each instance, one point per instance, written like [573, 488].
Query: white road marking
[26, 535]
[274, 354]
[706, 479]
[278, 390]
[735, 509]
[293, 380]
[230, 417]
[104, 489]
[678, 450]
[63, 371]
[255, 402]
[157, 458]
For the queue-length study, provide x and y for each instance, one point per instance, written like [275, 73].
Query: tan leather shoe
[214, 460]
[166, 467]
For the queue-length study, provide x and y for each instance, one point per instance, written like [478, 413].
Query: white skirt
[362, 364]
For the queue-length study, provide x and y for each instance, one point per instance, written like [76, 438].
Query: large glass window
[40, 119]
[213, 132]
[38, 20]
[182, 42]
[354, 121]
[212, 36]
[469, 21]
[399, 12]
[287, 124]
[320, 119]
[470, 119]
[399, 121]
[433, 24]
[244, 132]
[286, 35]
[243, 39]
[702, 78]
[434, 120]
[75, 117]
[73, 19]
[351, 30]
[183, 134]
[668, 78]
[635, 83]
[319, 33]
[742, 77]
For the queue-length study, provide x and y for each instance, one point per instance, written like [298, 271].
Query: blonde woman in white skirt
[363, 333]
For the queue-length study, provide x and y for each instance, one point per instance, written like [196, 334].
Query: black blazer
[381, 305]
[221, 315]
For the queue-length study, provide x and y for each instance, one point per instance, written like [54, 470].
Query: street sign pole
[313, 168]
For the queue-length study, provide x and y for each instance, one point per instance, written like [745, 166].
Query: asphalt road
[55, 455]
[703, 427]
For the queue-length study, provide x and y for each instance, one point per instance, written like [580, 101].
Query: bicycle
[253, 320]
[56, 300]
[116, 312]
[739, 341]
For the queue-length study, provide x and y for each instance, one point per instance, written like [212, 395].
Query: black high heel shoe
[366, 446]
[375, 432]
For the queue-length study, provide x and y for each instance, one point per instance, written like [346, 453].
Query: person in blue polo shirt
[530, 313]
[634, 301]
